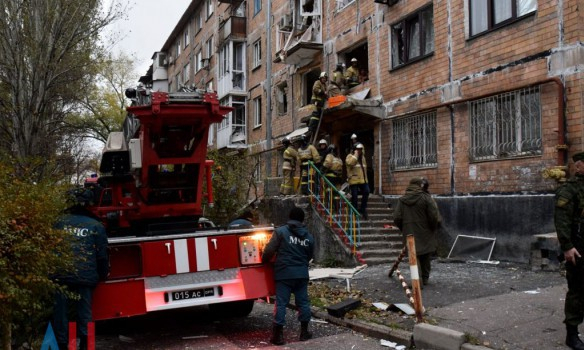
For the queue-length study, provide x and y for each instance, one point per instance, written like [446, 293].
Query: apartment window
[342, 3]
[506, 126]
[224, 61]
[282, 98]
[177, 82]
[308, 81]
[489, 14]
[198, 21]
[186, 38]
[413, 37]
[186, 72]
[209, 45]
[414, 142]
[209, 4]
[257, 6]
[178, 49]
[238, 128]
[257, 112]
[198, 61]
[257, 54]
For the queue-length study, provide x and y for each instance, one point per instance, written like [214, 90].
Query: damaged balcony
[299, 37]
[232, 28]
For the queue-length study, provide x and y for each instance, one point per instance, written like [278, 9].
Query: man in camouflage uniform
[568, 219]
[288, 168]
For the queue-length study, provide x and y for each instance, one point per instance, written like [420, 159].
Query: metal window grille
[414, 142]
[506, 125]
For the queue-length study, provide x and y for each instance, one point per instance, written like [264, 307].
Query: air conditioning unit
[286, 22]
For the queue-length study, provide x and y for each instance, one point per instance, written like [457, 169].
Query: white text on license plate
[192, 294]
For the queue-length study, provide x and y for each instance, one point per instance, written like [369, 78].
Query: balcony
[232, 28]
[299, 41]
[233, 136]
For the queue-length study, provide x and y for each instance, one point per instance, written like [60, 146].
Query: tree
[233, 180]
[103, 109]
[30, 250]
[48, 55]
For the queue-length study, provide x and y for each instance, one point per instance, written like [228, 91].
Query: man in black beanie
[293, 247]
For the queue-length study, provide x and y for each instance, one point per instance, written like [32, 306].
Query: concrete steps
[381, 241]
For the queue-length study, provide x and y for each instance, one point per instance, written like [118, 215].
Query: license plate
[192, 294]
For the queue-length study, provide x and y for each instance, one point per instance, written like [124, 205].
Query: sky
[146, 28]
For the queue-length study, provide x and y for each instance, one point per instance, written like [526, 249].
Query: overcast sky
[148, 25]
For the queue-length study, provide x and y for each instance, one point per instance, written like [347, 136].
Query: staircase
[381, 241]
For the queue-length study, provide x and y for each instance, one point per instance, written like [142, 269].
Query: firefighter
[293, 248]
[306, 153]
[89, 244]
[357, 174]
[332, 168]
[288, 168]
[336, 84]
[352, 74]
[319, 96]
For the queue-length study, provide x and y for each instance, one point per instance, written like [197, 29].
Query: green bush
[30, 252]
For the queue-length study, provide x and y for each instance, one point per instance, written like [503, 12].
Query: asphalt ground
[501, 306]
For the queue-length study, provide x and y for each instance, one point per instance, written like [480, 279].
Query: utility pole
[268, 88]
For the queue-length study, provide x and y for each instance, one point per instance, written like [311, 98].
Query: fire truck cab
[154, 181]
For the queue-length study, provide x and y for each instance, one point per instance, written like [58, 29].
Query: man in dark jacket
[89, 244]
[568, 220]
[293, 247]
[245, 220]
[417, 214]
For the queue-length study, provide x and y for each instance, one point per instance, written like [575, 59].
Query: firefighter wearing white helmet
[288, 167]
[357, 175]
[319, 96]
[352, 74]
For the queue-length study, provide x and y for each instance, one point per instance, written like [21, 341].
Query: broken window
[507, 125]
[308, 79]
[282, 98]
[414, 142]
[413, 37]
[361, 53]
[489, 14]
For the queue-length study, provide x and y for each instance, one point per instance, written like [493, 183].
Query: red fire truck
[154, 181]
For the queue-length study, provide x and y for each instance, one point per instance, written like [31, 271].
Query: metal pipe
[418, 308]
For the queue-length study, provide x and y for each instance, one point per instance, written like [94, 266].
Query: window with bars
[413, 37]
[506, 125]
[414, 142]
[489, 14]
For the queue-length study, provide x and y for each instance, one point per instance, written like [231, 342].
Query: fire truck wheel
[232, 309]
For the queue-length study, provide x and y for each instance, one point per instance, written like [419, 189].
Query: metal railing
[334, 207]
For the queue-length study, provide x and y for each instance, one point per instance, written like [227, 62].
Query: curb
[371, 329]
[424, 336]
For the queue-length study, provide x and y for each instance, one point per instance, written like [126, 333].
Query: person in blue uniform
[89, 245]
[293, 248]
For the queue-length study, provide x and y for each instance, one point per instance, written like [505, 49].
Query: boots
[572, 339]
[304, 333]
[277, 335]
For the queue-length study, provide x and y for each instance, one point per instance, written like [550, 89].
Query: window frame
[199, 60]
[490, 13]
[186, 72]
[257, 112]
[209, 8]
[186, 37]
[499, 126]
[399, 51]
[257, 6]
[414, 142]
[257, 54]
[282, 98]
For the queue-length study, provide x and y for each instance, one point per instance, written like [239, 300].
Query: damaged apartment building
[482, 97]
